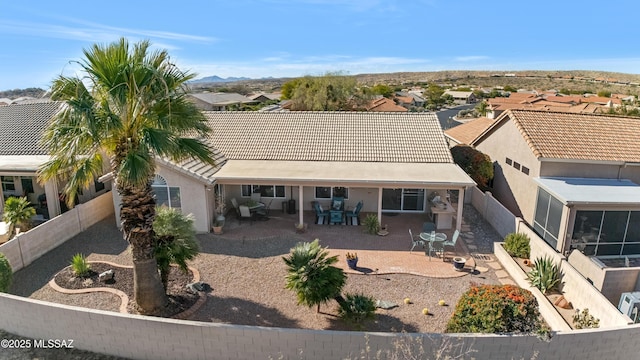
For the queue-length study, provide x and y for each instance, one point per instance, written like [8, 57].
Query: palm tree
[17, 211]
[312, 276]
[129, 108]
[176, 243]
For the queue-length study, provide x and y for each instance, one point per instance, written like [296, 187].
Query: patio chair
[245, 213]
[321, 214]
[337, 203]
[256, 196]
[451, 243]
[264, 212]
[415, 241]
[354, 216]
[234, 203]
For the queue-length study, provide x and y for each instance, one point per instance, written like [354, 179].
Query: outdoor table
[434, 239]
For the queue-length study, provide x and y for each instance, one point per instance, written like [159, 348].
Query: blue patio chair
[337, 203]
[451, 243]
[321, 214]
[354, 216]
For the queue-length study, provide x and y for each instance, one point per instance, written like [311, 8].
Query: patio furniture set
[433, 242]
[336, 214]
[253, 209]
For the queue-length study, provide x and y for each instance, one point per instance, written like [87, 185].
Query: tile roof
[329, 136]
[384, 104]
[469, 131]
[560, 135]
[21, 126]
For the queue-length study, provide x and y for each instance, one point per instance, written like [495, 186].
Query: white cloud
[471, 58]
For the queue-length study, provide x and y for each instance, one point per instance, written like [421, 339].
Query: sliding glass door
[403, 200]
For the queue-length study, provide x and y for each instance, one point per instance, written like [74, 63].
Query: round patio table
[435, 240]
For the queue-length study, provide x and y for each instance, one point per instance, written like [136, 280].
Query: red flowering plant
[496, 309]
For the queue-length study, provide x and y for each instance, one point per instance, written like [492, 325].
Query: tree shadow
[381, 323]
[101, 238]
[238, 311]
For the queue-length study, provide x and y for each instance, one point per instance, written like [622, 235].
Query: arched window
[165, 194]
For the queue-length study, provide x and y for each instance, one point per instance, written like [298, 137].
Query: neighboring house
[465, 134]
[573, 177]
[391, 161]
[219, 101]
[264, 97]
[409, 100]
[462, 97]
[383, 104]
[21, 128]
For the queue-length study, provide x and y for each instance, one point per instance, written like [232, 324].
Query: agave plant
[545, 275]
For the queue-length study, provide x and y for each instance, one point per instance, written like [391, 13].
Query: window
[165, 194]
[508, 161]
[27, 185]
[516, 165]
[8, 184]
[547, 218]
[98, 185]
[273, 191]
[331, 192]
[525, 170]
[607, 233]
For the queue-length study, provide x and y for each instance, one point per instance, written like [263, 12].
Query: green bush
[80, 265]
[584, 320]
[357, 308]
[475, 163]
[545, 275]
[517, 244]
[6, 273]
[371, 224]
[496, 309]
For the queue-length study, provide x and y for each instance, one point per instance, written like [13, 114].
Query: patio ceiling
[22, 163]
[339, 173]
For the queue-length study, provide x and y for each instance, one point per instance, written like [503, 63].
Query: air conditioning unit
[630, 305]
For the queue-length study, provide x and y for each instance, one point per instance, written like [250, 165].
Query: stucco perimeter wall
[575, 287]
[141, 337]
[23, 249]
[500, 218]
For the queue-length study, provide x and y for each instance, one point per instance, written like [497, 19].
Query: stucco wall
[23, 249]
[141, 337]
[549, 168]
[500, 218]
[515, 189]
[193, 197]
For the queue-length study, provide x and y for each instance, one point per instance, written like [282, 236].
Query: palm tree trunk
[137, 214]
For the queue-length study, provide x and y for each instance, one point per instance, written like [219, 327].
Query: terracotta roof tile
[467, 132]
[329, 136]
[562, 135]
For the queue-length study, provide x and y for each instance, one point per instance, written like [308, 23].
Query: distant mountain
[218, 79]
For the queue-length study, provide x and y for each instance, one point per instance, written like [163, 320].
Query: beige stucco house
[21, 127]
[573, 177]
[390, 161]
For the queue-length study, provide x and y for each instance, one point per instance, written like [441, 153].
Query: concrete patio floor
[376, 254]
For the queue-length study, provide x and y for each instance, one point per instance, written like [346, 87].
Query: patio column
[53, 199]
[301, 206]
[460, 206]
[1, 201]
[380, 205]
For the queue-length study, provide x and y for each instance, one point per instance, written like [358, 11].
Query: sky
[289, 38]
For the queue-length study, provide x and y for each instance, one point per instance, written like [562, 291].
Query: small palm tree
[312, 276]
[176, 241]
[18, 211]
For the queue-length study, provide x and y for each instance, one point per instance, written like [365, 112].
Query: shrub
[6, 273]
[495, 309]
[475, 163]
[79, 265]
[584, 320]
[517, 244]
[545, 275]
[371, 224]
[356, 308]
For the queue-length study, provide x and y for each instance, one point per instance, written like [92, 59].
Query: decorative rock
[106, 276]
[195, 287]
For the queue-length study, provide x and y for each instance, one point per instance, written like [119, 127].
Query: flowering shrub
[495, 309]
